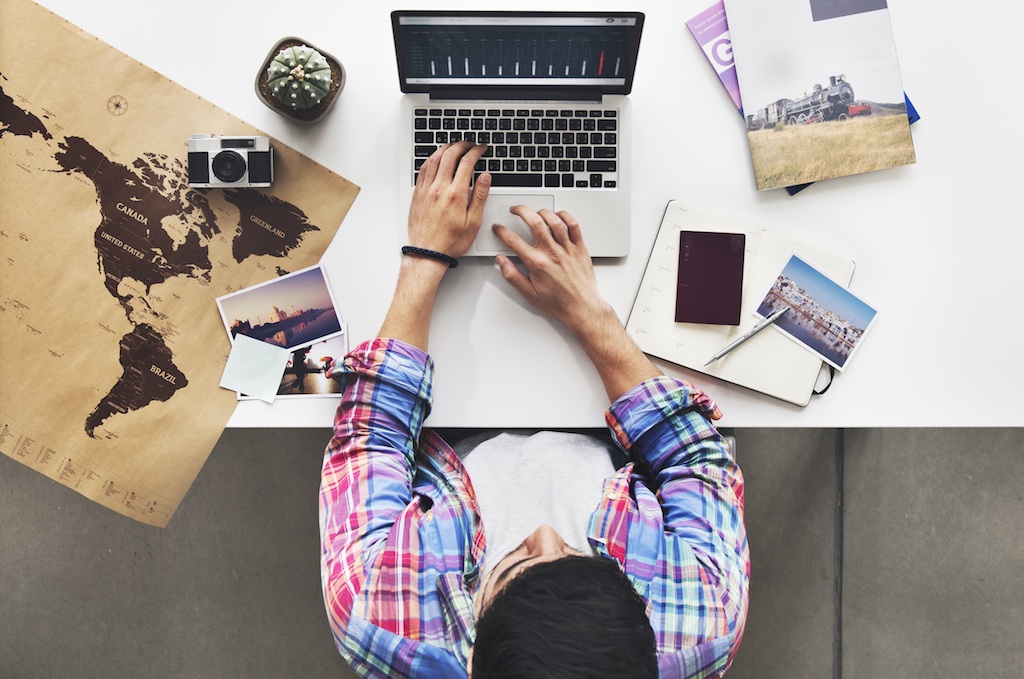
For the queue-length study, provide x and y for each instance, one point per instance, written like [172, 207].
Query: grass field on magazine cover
[795, 154]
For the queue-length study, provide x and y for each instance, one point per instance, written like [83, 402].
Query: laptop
[546, 91]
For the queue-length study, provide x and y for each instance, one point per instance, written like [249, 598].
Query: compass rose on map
[117, 105]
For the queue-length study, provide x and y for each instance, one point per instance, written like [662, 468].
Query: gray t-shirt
[524, 479]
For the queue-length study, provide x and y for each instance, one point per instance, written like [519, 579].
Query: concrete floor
[927, 548]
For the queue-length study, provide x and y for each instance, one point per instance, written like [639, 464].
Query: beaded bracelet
[423, 252]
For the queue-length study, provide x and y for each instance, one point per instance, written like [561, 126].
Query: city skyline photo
[289, 311]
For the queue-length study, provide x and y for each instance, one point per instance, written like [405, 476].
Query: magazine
[822, 93]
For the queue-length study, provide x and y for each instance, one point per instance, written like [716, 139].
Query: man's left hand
[443, 216]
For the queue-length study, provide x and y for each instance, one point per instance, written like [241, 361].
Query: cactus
[299, 77]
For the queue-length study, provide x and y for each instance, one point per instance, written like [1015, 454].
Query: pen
[771, 318]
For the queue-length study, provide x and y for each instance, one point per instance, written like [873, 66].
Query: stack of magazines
[817, 83]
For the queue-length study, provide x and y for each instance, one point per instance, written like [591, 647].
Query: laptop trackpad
[496, 212]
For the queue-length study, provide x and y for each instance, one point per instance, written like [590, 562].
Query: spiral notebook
[769, 362]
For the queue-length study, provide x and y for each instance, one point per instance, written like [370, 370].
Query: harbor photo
[824, 316]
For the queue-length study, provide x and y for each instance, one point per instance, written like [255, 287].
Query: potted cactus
[300, 81]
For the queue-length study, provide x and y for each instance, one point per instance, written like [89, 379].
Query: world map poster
[110, 264]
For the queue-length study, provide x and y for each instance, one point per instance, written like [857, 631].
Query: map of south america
[149, 375]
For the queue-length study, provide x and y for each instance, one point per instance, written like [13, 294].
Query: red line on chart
[600, 63]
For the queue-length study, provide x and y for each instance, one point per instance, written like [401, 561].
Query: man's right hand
[560, 282]
[559, 279]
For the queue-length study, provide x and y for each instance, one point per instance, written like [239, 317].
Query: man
[411, 583]
[299, 369]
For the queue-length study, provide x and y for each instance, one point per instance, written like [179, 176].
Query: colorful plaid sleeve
[366, 482]
[674, 519]
[400, 530]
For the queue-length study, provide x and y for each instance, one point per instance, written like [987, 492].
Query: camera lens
[228, 166]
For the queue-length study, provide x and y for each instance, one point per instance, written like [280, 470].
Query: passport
[710, 280]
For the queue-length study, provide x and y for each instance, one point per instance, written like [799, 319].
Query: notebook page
[769, 362]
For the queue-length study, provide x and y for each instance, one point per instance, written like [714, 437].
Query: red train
[835, 102]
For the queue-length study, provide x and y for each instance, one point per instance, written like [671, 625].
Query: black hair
[573, 617]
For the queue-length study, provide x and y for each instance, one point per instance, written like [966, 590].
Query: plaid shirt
[403, 544]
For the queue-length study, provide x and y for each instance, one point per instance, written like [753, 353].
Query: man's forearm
[441, 219]
[408, 318]
[619, 362]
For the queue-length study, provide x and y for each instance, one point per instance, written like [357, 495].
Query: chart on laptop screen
[539, 50]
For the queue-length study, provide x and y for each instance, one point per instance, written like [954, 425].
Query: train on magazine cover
[835, 102]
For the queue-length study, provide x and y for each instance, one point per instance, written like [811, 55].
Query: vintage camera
[229, 162]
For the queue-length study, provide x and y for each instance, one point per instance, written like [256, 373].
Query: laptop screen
[564, 50]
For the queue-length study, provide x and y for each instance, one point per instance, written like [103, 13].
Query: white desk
[939, 245]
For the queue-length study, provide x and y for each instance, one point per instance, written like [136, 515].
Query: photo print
[305, 375]
[292, 311]
[824, 316]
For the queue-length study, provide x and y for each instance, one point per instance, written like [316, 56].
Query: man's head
[549, 612]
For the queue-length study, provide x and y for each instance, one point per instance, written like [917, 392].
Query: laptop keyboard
[549, 148]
